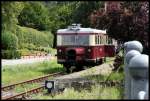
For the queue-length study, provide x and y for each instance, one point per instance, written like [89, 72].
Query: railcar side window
[95, 39]
[100, 40]
[109, 40]
[106, 39]
[59, 40]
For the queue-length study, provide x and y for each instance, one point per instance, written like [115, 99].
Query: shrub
[11, 54]
[24, 52]
[9, 40]
[31, 46]
[33, 37]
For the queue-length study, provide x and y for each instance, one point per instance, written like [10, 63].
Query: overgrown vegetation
[96, 93]
[12, 74]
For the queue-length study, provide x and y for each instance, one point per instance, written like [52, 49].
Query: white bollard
[134, 45]
[128, 57]
[131, 45]
[138, 69]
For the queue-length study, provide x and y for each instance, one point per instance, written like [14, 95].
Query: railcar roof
[81, 30]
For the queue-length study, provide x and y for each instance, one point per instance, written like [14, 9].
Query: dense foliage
[30, 25]
[35, 15]
[129, 22]
[10, 12]
[33, 36]
[83, 10]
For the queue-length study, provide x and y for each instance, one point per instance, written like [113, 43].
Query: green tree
[10, 12]
[129, 22]
[35, 15]
[83, 10]
[60, 15]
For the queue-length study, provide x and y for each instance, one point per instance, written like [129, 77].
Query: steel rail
[39, 79]
[24, 94]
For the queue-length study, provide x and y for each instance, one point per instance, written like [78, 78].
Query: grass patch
[117, 76]
[97, 92]
[109, 59]
[114, 76]
[12, 74]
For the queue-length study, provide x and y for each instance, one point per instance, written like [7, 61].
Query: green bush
[31, 46]
[45, 49]
[24, 52]
[9, 40]
[33, 37]
[11, 54]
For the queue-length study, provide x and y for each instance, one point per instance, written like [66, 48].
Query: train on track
[78, 47]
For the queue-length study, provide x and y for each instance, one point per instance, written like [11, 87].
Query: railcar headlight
[60, 50]
[89, 50]
[49, 85]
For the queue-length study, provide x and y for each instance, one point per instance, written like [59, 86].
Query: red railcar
[80, 47]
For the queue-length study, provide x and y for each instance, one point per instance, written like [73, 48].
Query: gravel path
[104, 69]
[25, 61]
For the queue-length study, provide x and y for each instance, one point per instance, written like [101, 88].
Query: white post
[128, 57]
[138, 69]
[131, 45]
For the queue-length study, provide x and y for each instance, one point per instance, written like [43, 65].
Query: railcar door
[109, 48]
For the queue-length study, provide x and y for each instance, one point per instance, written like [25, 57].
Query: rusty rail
[24, 94]
[39, 79]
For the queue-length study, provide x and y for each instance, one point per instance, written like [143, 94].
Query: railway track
[35, 90]
[23, 95]
[36, 80]
[26, 94]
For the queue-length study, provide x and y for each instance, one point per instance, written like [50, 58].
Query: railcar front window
[82, 39]
[68, 39]
[73, 40]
